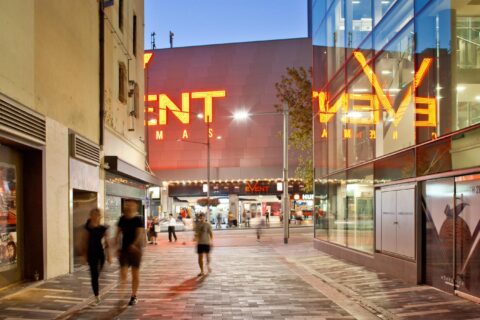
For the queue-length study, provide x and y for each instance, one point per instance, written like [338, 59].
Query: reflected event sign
[369, 111]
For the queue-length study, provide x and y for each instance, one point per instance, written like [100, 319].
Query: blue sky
[200, 22]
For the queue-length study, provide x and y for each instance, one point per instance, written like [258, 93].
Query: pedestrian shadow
[186, 286]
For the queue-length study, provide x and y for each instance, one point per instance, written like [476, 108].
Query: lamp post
[243, 115]
[207, 144]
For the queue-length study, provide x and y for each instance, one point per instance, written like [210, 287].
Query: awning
[120, 167]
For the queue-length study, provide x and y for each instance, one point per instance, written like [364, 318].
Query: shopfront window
[321, 209]
[394, 71]
[363, 113]
[336, 38]
[449, 35]
[359, 22]
[360, 208]
[337, 211]
[380, 7]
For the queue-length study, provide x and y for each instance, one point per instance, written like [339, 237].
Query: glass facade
[396, 96]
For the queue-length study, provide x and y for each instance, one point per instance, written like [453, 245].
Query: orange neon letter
[153, 121]
[146, 58]
[208, 96]
[326, 113]
[373, 108]
[182, 115]
[419, 75]
[430, 112]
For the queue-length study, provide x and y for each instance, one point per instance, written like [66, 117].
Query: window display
[8, 217]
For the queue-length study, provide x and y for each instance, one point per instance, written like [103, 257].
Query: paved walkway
[250, 280]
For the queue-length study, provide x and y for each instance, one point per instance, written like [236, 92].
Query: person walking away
[171, 228]
[96, 239]
[131, 232]
[267, 217]
[204, 239]
[219, 221]
[153, 232]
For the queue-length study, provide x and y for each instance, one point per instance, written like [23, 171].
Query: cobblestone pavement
[250, 280]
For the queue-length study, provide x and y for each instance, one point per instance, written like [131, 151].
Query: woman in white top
[171, 228]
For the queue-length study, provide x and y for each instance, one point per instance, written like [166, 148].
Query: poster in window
[8, 217]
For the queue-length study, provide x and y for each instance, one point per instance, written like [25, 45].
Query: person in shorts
[204, 239]
[131, 232]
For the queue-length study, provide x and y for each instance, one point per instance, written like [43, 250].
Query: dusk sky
[201, 22]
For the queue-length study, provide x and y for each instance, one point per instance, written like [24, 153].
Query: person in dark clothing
[131, 232]
[96, 241]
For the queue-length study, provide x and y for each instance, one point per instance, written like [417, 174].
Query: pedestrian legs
[171, 232]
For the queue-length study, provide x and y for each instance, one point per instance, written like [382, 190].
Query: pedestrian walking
[267, 217]
[204, 239]
[96, 248]
[131, 232]
[171, 228]
[219, 221]
[153, 231]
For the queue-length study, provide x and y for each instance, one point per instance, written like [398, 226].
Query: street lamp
[243, 115]
[201, 116]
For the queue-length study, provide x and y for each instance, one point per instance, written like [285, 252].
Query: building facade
[396, 137]
[56, 91]
[214, 82]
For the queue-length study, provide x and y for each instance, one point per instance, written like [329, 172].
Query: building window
[122, 82]
[134, 37]
[120, 14]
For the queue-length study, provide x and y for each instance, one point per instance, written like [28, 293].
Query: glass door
[467, 234]
[451, 213]
[438, 231]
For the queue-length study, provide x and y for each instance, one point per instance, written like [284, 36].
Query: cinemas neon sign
[368, 113]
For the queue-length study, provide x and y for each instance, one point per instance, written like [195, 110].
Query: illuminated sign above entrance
[366, 107]
[182, 115]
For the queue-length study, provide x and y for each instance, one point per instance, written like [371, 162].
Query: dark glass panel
[397, 167]
[434, 157]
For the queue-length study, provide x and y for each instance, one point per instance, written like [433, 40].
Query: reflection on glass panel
[394, 23]
[396, 167]
[380, 7]
[336, 37]
[468, 71]
[465, 149]
[319, 9]
[321, 209]
[359, 21]
[336, 213]
[434, 157]
[320, 150]
[363, 113]
[335, 126]
[433, 45]
[394, 74]
[360, 208]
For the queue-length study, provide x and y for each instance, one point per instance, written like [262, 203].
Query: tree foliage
[295, 90]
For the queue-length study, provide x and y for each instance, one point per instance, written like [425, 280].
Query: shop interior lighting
[461, 88]
[477, 98]
[386, 72]
[200, 115]
[355, 2]
[360, 90]
[385, 2]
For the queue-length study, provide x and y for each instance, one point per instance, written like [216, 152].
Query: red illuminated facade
[192, 93]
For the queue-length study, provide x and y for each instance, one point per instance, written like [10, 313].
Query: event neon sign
[182, 114]
[376, 101]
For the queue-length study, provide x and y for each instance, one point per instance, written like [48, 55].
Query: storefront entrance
[451, 228]
[83, 203]
[11, 218]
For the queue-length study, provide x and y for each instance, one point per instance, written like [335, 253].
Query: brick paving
[250, 280]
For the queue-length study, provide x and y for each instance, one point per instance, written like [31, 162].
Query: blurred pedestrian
[172, 222]
[219, 221]
[153, 231]
[131, 232]
[204, 239]
[96, 248]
